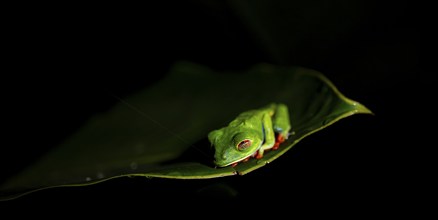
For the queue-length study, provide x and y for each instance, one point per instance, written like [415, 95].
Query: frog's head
[232, 146]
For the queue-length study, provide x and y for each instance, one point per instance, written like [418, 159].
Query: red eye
[244, 144]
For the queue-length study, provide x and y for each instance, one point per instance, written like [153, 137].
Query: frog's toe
[258, 155]
[280, 138]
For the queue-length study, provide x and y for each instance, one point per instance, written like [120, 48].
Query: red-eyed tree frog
[250, 134]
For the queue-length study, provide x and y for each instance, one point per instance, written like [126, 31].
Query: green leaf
[157, 132]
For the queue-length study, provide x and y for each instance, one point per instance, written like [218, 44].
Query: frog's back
[251, 118]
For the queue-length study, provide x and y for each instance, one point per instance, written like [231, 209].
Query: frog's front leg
[269, 135]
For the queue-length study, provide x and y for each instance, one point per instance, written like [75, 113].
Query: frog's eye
[244, 144]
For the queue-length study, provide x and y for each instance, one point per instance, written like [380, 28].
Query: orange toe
[280, 138]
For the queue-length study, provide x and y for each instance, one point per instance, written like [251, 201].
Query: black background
[61, 60]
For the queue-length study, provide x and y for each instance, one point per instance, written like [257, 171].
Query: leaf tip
[362, 109]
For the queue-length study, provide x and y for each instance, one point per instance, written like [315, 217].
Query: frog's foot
[278, 140]
[257, 155]
[242, 161]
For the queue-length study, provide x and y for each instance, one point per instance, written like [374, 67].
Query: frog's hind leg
[281, 123]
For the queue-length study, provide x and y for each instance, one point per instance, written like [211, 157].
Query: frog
[250, 134]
